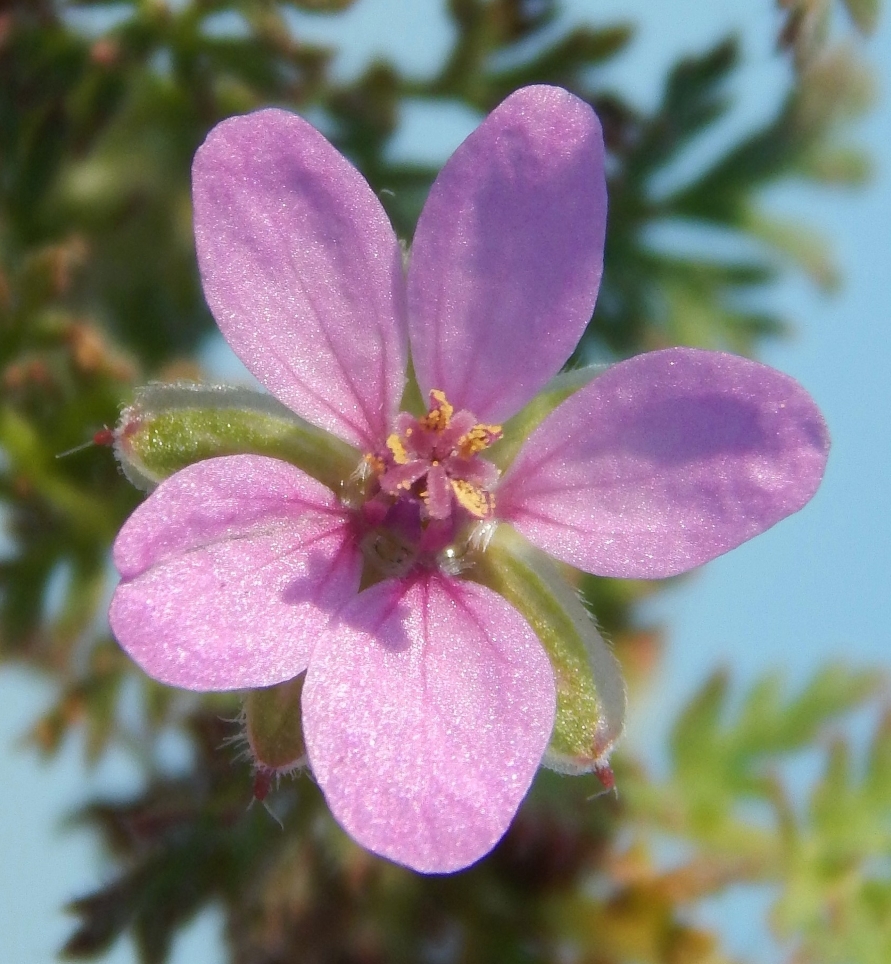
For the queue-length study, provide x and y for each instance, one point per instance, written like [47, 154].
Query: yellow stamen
[394, 444]
[479, 503]
[440, 414]
[480, 437]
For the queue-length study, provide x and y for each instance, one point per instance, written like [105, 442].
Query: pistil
[428, 482]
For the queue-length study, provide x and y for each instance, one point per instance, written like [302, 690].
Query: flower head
[429, 699]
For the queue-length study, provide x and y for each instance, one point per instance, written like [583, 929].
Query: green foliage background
[99, 293]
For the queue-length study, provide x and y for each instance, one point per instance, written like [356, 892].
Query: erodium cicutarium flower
[445, 658]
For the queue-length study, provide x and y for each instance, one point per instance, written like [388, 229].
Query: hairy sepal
[171, 426]
[273, 727]
[590, 688]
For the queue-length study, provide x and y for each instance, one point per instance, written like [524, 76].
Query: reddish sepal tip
[604, 773]
[262, 784]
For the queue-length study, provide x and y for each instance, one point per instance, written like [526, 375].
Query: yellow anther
[478, 438]
[394, 444]
[479, 503]
[440, 414]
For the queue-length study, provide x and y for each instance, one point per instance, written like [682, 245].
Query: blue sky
[813, 588]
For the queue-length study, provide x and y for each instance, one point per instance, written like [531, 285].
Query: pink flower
[429, 701]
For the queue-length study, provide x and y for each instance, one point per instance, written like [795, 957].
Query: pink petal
[426, 714]
[230, 571]
[399, 479]
[507, 256]
[302, 271]
[664, 462]
[439, 493]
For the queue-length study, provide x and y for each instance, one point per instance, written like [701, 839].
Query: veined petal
[508, 252]
[230, 571]
[427, 709]
[664, 462]
[302, 271]
[518, 428]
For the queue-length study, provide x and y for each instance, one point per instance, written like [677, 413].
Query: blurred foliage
[102, 106]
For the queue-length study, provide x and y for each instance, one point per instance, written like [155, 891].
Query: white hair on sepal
[352, 489]
[452, 561]
[481, 534]
[238, 740]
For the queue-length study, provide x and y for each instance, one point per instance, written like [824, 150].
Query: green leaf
[320, 6]
[864, 13]
[28, 457]
[807, 249]
[848, 166]
[768, 722]
[694, 99]
[561, 63]
[836, 893]
[693, 736]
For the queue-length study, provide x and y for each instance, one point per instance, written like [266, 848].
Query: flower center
[426, 484]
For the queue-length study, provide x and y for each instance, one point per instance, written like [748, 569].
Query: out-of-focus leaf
[694, 98]
[846, 165]
[836, 895]
[806, 248]
[865, 13]
[769, 722]
[565, 62]
[320, 6]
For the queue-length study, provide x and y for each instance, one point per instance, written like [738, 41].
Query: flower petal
[230, 571]
[426, 713]
[302, 271]
[507, 256]
[664, 462]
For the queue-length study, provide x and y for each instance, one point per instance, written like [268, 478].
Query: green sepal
[590, 688]
[517, 429]
[273, 726]
[412, 400]
[171, 426]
